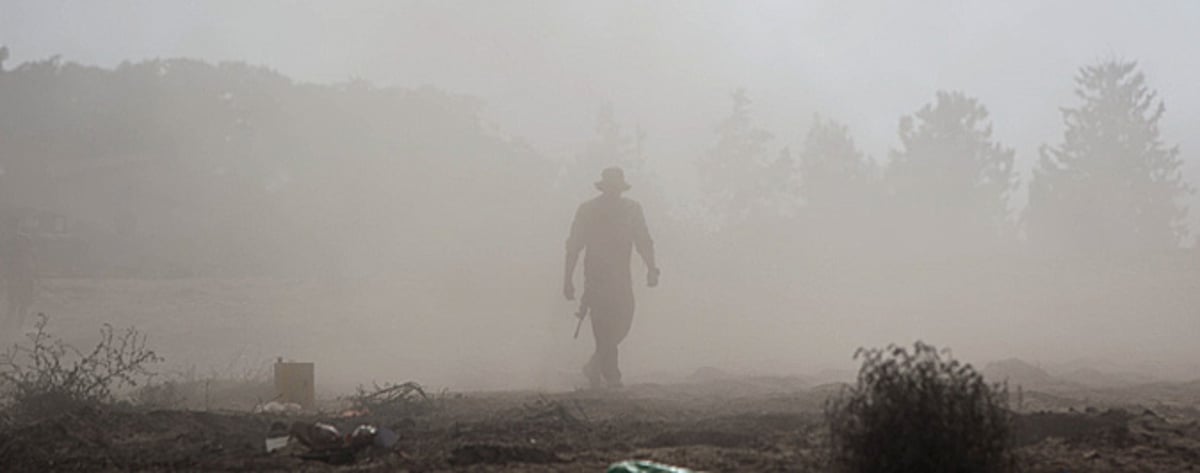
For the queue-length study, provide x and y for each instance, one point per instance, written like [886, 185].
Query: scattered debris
[761, 431]
[349, 413]
[645, 467]
[316, 435]
[362, 436]
[326, 443]
[386, 438]
[278, 437]
[276, 407]
[277, 443]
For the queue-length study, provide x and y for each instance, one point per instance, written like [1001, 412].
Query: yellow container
[294, 383]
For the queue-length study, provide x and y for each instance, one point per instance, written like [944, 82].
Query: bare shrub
[241, 385]
[46, 375]
[919, 412]
[167, 394]
[391, 400]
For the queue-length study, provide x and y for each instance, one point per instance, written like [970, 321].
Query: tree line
[183, 166]
[1111, 188]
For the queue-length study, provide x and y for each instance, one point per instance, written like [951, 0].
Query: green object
[645, 467]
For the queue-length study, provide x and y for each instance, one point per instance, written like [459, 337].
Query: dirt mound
[473, 454]
[1110, 441]
[712, 438]
[1070, 426]
[570, 432]
[91, 439]
[1018, 372]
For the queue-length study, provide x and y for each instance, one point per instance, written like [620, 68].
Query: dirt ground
[734, 425]
[722, 422]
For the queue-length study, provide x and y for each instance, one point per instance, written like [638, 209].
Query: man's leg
[591, 369]
[602, 333]
[610, 324]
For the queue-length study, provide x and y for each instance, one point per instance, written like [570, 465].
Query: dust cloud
[386, 188]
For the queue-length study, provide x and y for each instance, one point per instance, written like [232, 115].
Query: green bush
[919, 412]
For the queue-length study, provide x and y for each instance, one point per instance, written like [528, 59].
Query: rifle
[581, 314]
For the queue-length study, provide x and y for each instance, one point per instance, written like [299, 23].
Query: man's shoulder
[624, 204]
[599, 201]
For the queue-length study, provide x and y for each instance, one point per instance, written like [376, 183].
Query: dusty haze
[384, 188]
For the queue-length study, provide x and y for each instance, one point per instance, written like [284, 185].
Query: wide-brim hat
[612, 179]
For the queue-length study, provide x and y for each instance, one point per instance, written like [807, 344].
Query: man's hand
[569, 290]
[652, 277]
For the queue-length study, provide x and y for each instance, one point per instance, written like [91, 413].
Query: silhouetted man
[608, 227]
[19, 271]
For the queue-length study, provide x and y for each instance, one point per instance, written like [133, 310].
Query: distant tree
[837, 186]
[3, 56]
[1112, 185]
[231, 168]
[834, 173]
[950, 180]
[739, 178]
[612, 146]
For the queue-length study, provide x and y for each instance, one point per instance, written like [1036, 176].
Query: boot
[593, 375]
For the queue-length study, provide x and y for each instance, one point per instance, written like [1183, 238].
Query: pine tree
[834, 173]
[739, 179]
[838, 187]
[950, 181]
[1112, 186]
[612, 146]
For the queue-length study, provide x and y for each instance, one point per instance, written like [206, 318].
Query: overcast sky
[545, 67]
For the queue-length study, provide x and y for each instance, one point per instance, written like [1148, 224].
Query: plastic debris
[278, 437]
[276, 407]
[637, 466]
[317, 435]
[325, 443]
[386, 438]
[276, 443]
[362, 436]
[348, 413]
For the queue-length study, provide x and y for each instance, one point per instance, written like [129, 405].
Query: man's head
[612, 181]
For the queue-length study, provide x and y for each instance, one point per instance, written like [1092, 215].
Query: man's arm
[574, 247]
[644, 245]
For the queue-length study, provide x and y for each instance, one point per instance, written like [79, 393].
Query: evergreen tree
[834, 174]
[950, 181]
[739, 180]
[612, 146]
[1112, 185]
[838, 189]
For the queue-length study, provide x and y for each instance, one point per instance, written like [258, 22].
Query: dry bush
[391, 400]
[919, 412]
[167, 394]
[45, 375]
[233, 387]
